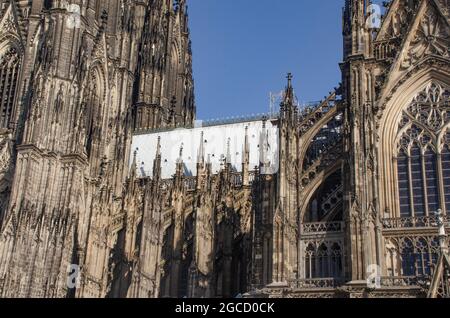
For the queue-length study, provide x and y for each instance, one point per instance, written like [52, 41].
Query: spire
[158, 147]
[229, 151]
[157, 161]
[201, 150]
[133, 167]
[245, 160]
[246, 150]
[201, 162]
[180, 154]
[288, 107]
[355, 31]
[179, 166]
[264, 150]
[289, 92]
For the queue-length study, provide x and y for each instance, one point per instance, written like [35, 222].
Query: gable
[426, 36]
[429, 36]
[9, 25]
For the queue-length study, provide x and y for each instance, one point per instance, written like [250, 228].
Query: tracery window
[446, 174]
[310, 261]
[417, 256]
[336, 261]
[323, 260]
[407, 255]
[9, 75]
[423, 154]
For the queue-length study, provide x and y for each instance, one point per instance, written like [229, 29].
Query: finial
[201, 150]
[181, 150]
[289, 92]
[229, 150]
[289, 77]
[134, 164]
[158, 146]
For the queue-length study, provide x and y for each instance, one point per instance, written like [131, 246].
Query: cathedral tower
[79, 78]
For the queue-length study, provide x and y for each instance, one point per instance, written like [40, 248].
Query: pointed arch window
[446, 174]
[408, 266]
[432, 185]
[10, 63]
[323, 261]
[323, 258]
[423, 160]
[336, 261]
[417, 180]
[418, 255]
[403, 181]
[310, 262]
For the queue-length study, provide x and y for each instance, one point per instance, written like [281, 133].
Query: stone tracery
[419, 146]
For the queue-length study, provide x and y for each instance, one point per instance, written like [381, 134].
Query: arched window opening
[422, 258]
[408, 266]
[418, 163]
[434, 251]
[322, 255]
[432, 181]
[417, 181]
[323, 261]
[446, 175]
[310, 262]
[336, 261]
[9, 76]
[327, 203]
[418, 255]
[403, 182]
[326, 138]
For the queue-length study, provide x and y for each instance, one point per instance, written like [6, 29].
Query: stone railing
[322, 227]
[385, 49]
[405, 281]
[412, 222]
[316, 283]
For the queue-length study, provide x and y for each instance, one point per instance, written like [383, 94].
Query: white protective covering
[216, 139]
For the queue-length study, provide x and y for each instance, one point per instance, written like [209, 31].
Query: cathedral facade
[110, 187]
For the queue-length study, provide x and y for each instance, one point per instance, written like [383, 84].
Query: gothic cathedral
[110, 187]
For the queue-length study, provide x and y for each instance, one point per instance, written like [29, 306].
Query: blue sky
[244, 48]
